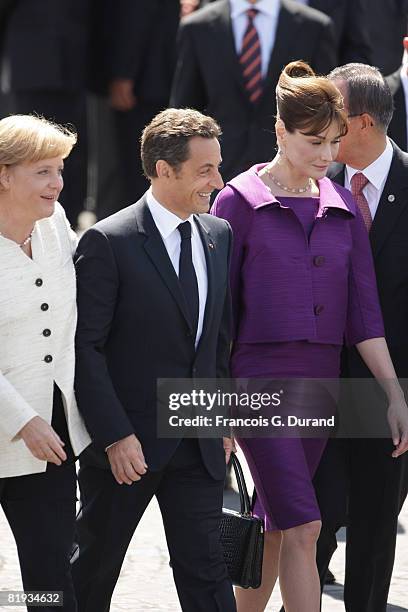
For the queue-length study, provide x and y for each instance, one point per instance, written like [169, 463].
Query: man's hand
[42, 441]
[229, 447]
[188, 6]
[398, 421]
[127, 460]
[121, 96]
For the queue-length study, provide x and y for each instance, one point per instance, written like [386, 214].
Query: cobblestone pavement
[145, 583]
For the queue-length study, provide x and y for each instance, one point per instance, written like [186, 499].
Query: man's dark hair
[367, 92]
[168, 134]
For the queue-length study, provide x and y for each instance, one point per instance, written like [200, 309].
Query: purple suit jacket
[286, 286]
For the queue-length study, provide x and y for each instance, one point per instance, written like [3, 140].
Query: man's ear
[366, 121]
[163, 169]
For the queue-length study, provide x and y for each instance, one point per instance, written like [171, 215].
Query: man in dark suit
[213, 59]
[154, 303]
[386, 23]
[352, 41]
[140, 54]
[398, 84]
[46, 63]
[361, 482]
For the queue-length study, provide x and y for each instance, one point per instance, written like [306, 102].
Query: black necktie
[187, 275]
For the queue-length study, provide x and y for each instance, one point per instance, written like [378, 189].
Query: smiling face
[309, 156]
[33, 187]
[187, 189]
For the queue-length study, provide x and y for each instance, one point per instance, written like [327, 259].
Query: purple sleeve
[232, 207]
[364, 318]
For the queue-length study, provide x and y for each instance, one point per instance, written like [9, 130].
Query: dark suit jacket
[140, 44]
[349, 17]
[386, 23]
[133, 329]
[389, 242]
[398, 126]
[208, 76]
[46, 45]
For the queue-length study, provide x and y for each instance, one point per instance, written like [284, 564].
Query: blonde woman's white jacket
[37, 327]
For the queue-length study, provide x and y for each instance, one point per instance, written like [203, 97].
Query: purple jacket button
[319, 260]
[318, 309]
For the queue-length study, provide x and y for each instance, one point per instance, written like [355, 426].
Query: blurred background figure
[398, 83]
[349, 17]
[44, 71]
[222, 72]
[141, 56]
[387, 24]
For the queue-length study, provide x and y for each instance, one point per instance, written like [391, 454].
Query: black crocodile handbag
[242, 538]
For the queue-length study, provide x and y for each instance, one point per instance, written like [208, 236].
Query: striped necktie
[358, 182]
[250, 59]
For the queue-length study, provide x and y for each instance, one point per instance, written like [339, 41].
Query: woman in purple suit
[302, 279]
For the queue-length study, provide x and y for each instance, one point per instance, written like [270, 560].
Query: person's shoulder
[306, 13]
[214, 224]
[120, 222]
[205, 15]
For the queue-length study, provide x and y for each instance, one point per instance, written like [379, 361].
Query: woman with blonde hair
[302, 280]
[41, 431]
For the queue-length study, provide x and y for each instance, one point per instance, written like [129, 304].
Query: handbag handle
[242, 488]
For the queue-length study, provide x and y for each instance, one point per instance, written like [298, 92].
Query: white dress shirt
[266, 22]
[167, 223]
[376, 173]
[404, 81]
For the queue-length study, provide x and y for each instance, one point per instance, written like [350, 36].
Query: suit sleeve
[15, 412]
[131, 29]
[229, 206]
[354, 42]
[364, 318]
[98, 286]
[188, 88]
[325, 57]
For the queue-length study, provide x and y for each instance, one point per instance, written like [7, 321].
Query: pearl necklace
[26, 241]
[289, 189]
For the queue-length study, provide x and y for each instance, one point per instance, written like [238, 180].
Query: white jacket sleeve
[15, 412]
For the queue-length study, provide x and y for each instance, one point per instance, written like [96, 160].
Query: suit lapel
[285, 34]
[223, 38]
[210, 254]
[392, 203]
[157, 252]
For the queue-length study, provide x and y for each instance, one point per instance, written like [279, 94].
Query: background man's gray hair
[367, 92]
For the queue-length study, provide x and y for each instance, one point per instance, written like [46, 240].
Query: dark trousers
[64, 108]
[40, 509]
[363, 472]
[190, 501]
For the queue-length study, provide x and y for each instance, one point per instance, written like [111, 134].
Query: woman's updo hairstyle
[307, 102]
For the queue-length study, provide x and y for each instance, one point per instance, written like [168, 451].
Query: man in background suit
[398, 84]
[361, 477]
[386, 23]
[45, 61]
[153, 302]
[209, 75]
[349, 18]
[140, 54]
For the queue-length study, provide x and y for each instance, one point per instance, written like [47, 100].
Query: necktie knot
[358, 182]
[252, 13]
[185, 230]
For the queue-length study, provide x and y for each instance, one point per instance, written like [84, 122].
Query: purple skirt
[283, 468]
